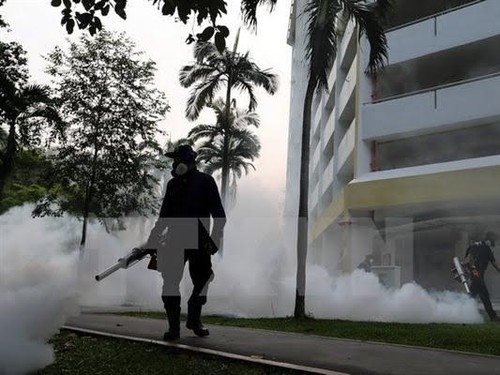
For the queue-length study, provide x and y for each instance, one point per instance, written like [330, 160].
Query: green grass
[478, 338]
[83, 354]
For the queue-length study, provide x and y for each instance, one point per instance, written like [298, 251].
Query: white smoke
[41, 283]
[135, 286]
[256, 278]
[37, 287]
[360, 296]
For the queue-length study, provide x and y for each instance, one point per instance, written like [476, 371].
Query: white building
[405, 165]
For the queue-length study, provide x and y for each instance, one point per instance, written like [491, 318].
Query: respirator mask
[184, 160]
[180, 169]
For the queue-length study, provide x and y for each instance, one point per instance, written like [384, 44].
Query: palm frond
[249, 10]
[205, 51]
[321, 47]
[247, 87]
[46, 112]
[370, 19]
[219, 107]
[204, 131]
[263, 78]
[189, 74]
[36, 93]
[247, 70]
[200, 95]
[245, 118]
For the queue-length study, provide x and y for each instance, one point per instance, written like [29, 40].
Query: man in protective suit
[477, 258]
[366, 264]
[190, 201]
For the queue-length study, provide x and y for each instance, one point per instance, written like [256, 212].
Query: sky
[36, 25]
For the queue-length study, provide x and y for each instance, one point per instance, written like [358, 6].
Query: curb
[238, 357]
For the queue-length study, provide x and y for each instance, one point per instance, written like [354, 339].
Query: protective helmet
[184, 152]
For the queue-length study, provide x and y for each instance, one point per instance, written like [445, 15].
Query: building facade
[405, 165]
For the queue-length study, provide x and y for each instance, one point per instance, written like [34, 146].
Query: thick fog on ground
[37, 287]
[254, 278]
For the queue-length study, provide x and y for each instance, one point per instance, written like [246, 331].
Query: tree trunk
[8, 158]
[84, 233]
[225, 146]
[86, 205]
[302, 225]
[227, 138]
[86, 209]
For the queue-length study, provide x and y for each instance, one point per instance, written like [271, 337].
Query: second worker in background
[477, 258]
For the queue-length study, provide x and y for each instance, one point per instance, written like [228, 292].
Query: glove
[153, 242]
[153, 262]
[209, 247]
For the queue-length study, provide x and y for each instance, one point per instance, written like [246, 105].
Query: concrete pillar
[400, 246]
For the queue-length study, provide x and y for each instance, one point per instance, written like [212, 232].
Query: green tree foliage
[86, 14]
[108, 150]
[213, 71]
[322, 22]
[244, 145]
[32, 179]
[13, 65]
[28, 114]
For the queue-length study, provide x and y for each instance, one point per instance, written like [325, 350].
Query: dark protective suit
[479, 255]
[366, 264]
[189, 203]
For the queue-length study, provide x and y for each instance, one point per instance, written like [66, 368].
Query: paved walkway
[304, 352]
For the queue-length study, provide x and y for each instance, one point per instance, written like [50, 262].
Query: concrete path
[309, 353]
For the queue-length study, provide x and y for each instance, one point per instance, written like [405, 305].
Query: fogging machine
[459, 274]
[134, 256]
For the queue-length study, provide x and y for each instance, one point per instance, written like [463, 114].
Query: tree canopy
[111, 109]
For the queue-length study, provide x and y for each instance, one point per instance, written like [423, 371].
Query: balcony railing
[329, 128]
[446, 6]
[435, 89]
[327, 178]
[457, 104]
[346, 146]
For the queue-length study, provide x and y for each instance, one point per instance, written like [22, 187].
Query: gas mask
[180, 169]
[184, 160]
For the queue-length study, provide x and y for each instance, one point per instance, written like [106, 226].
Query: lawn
[478, 338]
[83, 354]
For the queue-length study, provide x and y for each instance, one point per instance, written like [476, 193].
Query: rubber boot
[194, 318]
[172, 306]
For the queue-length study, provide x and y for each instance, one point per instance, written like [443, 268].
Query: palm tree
[24, 110]
[243, 145]
[214, 70]
[244, 148]
[249, 10]
[320, 52]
